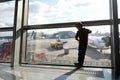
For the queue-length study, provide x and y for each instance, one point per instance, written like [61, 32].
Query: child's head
[79, 25]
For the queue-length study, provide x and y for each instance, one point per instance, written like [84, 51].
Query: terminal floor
[40, 72]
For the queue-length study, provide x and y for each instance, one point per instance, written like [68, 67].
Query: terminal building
[37, 39]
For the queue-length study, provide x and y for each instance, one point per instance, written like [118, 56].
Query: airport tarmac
[53, 56]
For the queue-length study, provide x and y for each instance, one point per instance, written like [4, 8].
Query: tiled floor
[53, 73]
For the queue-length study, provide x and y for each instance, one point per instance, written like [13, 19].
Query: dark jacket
[82, 36]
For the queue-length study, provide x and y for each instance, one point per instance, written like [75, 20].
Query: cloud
[69, 11]
[50, 13]
[7, 14]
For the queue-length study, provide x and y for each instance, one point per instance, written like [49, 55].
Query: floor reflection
[53, 73]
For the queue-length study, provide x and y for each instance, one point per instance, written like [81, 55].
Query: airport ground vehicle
[58, 44]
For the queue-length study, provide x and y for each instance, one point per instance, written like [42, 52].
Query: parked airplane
[99, 42]
[31, 35]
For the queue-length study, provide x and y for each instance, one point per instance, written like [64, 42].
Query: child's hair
[78, 24]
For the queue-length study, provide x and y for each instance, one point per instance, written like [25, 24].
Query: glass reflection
[5, 46]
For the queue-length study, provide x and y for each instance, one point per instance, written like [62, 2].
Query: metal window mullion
[16, 34]
[115, 40]
[24, 32]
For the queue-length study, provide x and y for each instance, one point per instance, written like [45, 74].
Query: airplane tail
[31, 35]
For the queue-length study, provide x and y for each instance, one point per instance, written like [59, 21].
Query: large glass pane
[5, 46]
[7, 13]
[61, 11]
[58, 46]
[99, 47]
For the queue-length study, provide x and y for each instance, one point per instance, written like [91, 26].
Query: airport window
[7, 14]
[47, 11]
[6, 27]
[58, 46]
[50, 40]
[5, 46]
